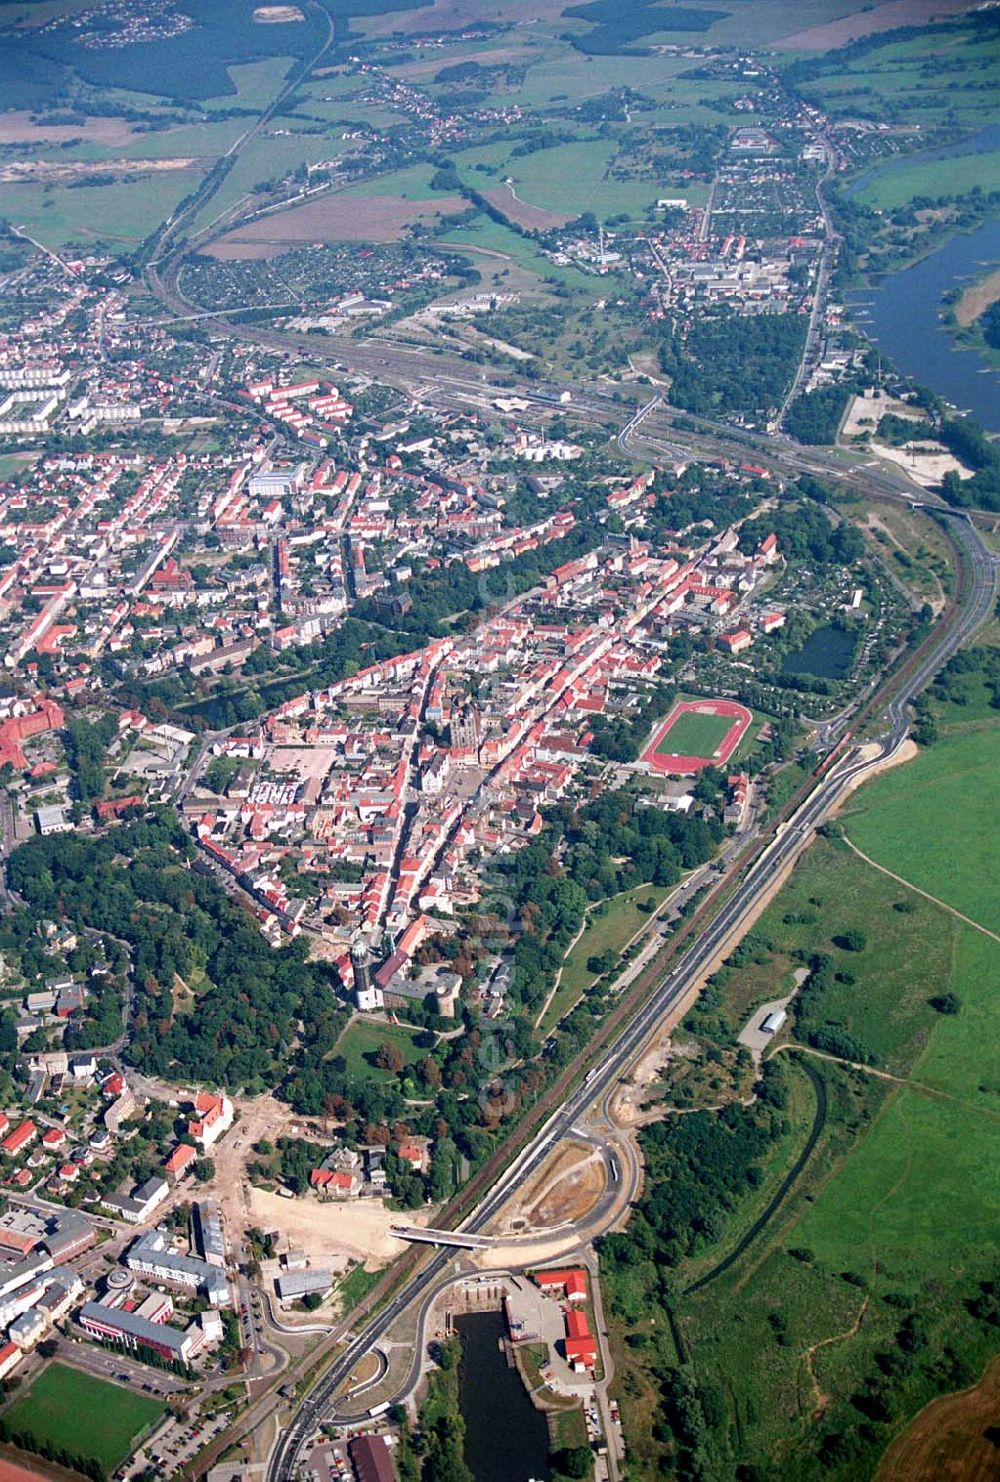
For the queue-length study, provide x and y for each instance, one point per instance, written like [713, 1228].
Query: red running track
[666, 761]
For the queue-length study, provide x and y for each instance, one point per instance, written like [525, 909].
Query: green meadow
[933, 822]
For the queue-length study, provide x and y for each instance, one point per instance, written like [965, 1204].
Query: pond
[826, 654]
[903, 316]
[506, 1438]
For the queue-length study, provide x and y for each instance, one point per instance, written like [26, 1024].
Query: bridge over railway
[425, 1235]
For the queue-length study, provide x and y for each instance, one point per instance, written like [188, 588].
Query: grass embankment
[915, 550]
[609, 929]
[355, 1286]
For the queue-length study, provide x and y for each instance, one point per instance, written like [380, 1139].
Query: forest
[618, 24]
[731, 364]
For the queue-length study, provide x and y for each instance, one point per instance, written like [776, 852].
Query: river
[983, 141]
[903, 315]
[506, 1438]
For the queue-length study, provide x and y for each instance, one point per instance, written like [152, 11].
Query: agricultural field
[487, 241]
[334, 218]
[254, 83]
[121, 214]
[922, 80]
[209, 80]
[842, 24]
[271, 156]
[933, 178]
[567, 178]
[952, 1434]
[931, 823]
[61, 1397]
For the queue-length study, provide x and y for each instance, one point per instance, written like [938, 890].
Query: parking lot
[174, 1444]
[329, 1463]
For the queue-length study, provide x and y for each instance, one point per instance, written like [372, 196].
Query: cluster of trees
[805, 533]
[9, 1058]
[989, 323]
[88, 1466]
[101, 1024]
[966, 439]
[692, 500]
[86, 743]
[434, 1452]
[960, 679]
[880, 1398]
[550, 907]
[816, 416]
[960, 683]
[618, 737]
[611, 844]
[732, 364]
[898, 431]
[809, 1007]
[689, 1409]
[175, 921]
[437, 595]
[698, 1169]
[447, 178]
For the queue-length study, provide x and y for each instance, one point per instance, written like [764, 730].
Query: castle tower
[367, 994]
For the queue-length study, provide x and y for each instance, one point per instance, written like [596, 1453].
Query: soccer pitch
[82, 1415]
[693, 734]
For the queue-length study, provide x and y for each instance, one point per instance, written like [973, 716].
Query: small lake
[903, 316]
[826, 653]
[506, 1438]
[981, 142]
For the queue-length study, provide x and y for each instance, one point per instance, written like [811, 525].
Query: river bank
[904, 314]
[976, 299]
